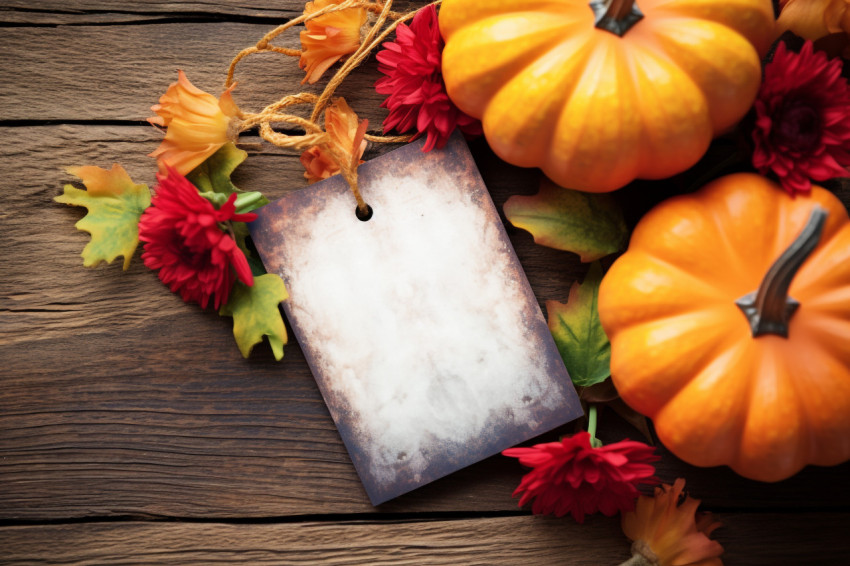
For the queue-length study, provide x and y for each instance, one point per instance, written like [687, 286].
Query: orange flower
[815, 19]
[328, 37]
[666, 532]
[346, 136]
[197, 123]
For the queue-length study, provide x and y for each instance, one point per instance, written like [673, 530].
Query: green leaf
[256, 314]
[588, 224]
[213, 175]
[114, 205]
[212, 179]
[245, 202]
[578, 333]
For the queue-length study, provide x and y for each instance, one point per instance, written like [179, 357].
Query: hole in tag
[363, 216]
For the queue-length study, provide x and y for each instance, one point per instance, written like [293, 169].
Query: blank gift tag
[419, 325]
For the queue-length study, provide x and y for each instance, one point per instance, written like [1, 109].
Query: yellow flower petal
[670, 531]
[813, 19]
[346, 134]
[329, 37]
[198, 125]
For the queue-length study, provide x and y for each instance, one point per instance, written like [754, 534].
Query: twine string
[314, 134]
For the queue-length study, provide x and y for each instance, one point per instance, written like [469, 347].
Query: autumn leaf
[213, 175]
[114, 205]
[256, 314]
[212, 179]
[588, 224]
[578, 333]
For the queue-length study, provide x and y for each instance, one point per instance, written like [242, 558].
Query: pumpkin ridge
[733, 60]
[699, 445]
[461, 13]
[697, 280]
[469, 74]
[829, 418]
[650, 393]
[771, 436]
[534, 137]
[657, 108]
[750, 19]
[602, 61]
[811, 414]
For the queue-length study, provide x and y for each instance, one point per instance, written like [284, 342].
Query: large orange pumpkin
[595, 109]
[762, 385]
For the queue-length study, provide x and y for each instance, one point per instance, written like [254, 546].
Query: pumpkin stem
[770, 308]
[616, 16]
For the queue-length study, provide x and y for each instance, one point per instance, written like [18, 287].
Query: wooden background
[131, 429]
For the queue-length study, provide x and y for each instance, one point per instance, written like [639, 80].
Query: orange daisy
[197, 125]
[328, 37]
[667, 533]
[346, 137]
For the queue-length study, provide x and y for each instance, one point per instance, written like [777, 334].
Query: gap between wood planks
[359, 518]
[55, 13]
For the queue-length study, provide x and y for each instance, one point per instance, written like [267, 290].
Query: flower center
[798, 126]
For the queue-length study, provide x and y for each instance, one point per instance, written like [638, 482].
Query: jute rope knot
[314, 134]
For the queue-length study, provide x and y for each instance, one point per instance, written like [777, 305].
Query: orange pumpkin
[596, 108]
[762, 385]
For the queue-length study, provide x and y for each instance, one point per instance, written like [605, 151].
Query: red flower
[570, 476]
[802, 130]
[414, 82]
[185, 240]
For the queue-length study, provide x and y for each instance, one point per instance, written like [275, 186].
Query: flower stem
[637, 560]
[591, 426]
[642, 555]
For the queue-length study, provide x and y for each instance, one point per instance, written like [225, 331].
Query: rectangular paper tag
[419, 325]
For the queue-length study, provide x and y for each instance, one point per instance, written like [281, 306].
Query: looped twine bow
[315, 134]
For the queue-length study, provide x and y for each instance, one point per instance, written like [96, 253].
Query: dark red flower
[570, 476]
[414, 82]
[802, 131]
[185, 239]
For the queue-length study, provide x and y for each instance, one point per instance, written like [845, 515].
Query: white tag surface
[419, 325]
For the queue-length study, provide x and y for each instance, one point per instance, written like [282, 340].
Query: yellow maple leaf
[114, 205]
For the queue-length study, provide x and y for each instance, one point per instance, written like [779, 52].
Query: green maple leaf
[588, 224]
[212, 178]
[256, 314]
[578, 333]
[114, 205]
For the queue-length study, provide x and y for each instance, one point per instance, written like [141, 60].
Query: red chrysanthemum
[572, 477]
[802, 130]
[185, 239]
[414, 82]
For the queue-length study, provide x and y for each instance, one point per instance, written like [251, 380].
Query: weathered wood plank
[117, 72]
[53, 12]
[100, 12]
[752, 539]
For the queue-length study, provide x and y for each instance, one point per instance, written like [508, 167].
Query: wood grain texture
[119, 401]
[749, 539]
[122, 400]
[89, 73]
[63, 12]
